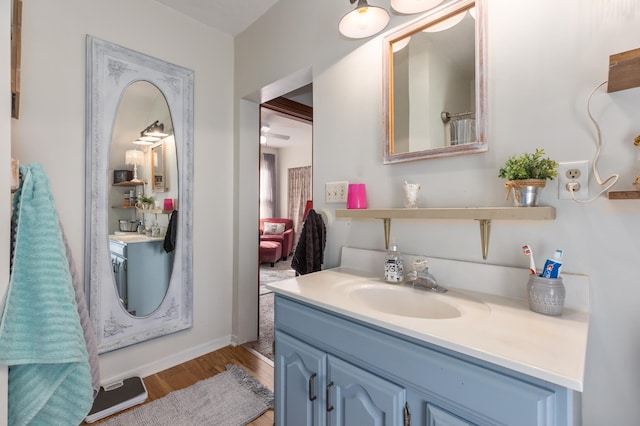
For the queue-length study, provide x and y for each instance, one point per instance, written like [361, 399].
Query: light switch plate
[335, 192]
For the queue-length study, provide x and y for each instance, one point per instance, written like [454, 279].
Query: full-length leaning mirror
[435, 86]
[139, 145]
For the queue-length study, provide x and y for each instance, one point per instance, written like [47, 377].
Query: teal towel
[41, 338]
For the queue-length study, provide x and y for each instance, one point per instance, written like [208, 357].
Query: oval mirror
[130, 94]
[435, 101]
[141, 162]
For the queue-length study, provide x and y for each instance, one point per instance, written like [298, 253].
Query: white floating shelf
[483, 214]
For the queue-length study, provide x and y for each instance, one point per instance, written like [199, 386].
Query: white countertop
[132, 238]
[499, 330]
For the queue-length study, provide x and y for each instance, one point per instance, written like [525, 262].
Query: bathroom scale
[116, 397]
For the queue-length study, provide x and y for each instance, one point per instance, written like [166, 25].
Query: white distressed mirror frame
[433, 16]
[110, 70]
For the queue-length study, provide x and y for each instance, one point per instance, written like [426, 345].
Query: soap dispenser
[393, 266]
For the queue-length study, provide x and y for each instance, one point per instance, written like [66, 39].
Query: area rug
[231, 398]
[264, 344]
[280, 271]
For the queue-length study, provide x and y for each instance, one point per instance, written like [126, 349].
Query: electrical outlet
[335, 192]
[576, 173]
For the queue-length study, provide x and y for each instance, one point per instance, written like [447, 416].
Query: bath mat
[231, 398]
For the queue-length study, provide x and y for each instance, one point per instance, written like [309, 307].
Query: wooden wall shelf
[129, 183]
[624, 195]
[624, 70]
[482, 214]
[154, 211]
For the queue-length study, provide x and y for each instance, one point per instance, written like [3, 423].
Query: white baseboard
[235, 340]
[170, 361]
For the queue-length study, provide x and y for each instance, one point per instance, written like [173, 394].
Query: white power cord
[614, 177]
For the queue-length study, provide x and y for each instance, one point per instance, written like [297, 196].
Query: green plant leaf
[529, 166]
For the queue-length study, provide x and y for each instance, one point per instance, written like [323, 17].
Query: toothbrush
[528, 252]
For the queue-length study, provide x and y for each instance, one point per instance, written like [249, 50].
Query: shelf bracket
[387, 231]
[485, 231]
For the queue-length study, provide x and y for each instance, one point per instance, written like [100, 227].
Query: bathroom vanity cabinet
[142, 270]
[334, 369]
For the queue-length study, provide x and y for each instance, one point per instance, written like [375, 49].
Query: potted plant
[145, 201]
[526, 175]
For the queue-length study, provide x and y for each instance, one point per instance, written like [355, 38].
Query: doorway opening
[285, 194]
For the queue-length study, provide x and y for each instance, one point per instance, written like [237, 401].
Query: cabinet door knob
[329, 407]
[312, 379]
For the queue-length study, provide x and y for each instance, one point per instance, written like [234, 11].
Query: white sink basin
[405, 301]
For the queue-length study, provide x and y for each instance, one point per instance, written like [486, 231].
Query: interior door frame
[296, 111]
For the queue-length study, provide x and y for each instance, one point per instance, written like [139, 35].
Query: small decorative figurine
[411, 195]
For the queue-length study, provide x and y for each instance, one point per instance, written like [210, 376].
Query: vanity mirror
[157, 168]
[435, 85]
[127, 90]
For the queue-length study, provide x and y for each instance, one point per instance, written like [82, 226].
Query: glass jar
[546, 295]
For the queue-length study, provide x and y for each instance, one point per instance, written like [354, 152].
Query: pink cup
[168, 204]
[357, 196]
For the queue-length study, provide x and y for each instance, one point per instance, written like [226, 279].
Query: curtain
[299, 193]
[268, 186]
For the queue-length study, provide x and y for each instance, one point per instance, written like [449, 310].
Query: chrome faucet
[421, 278]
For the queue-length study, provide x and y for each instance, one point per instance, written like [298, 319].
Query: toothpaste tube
[552, 266]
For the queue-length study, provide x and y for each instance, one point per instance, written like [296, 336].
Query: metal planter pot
[525, 192]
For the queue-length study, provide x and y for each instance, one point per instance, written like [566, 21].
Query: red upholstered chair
[285, 239]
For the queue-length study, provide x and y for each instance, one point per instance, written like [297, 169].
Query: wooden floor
[184, 375]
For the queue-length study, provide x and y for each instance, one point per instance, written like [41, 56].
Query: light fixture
[414, 6]
[446, 24]
[363, 21]
[155, 129]
[135, 158]
[399, 45]
[264, 129]
[152, 133]
[145, 140]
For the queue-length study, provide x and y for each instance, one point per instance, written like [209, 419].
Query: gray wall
[51, 131]
[544, 60]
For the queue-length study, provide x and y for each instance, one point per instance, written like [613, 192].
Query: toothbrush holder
[546, 295]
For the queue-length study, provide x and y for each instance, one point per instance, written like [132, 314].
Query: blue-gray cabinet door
[300, 370]
[439, 417]
[357, 397]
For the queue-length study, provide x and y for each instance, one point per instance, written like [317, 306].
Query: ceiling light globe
[401, 44]
[413, 6]
[141, 142]
[446, 24]
[364, 21]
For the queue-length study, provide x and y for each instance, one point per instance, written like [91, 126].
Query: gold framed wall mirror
[435, 87]
[159, 182]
